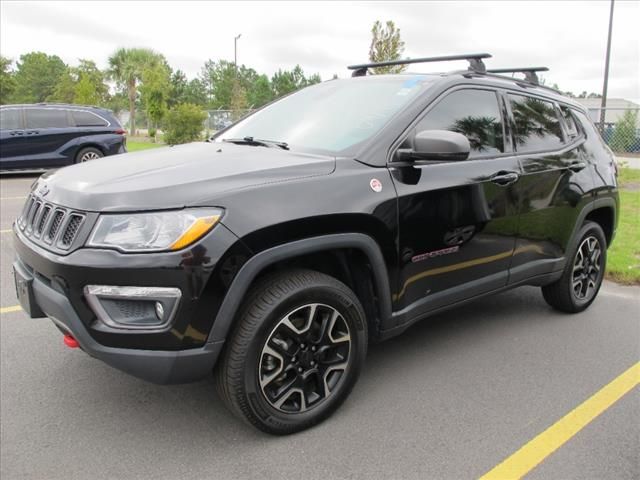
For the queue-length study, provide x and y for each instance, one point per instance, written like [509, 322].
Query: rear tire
[583, 273]
[295, 353]
[87, 154]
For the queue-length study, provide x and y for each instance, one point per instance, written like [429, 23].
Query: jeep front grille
[50, 225]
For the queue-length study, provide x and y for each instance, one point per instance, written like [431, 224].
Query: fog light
[159, 311]
[133, 308]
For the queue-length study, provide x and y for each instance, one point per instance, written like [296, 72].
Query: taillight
[121, 131]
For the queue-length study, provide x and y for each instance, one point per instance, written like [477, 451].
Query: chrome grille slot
[25, 212]
[43, 219]
[33, 214]
[71, 229]
[58, 216]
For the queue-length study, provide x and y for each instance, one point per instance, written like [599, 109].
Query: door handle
[504, 178]
[577, 166]
[33, 132]
[16, 132]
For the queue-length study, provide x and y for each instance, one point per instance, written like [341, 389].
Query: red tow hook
[70, 342]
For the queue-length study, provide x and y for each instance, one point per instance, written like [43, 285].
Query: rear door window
[537, 125]
[10, 119]
[473, 113]
[87, 119]
[46, 118]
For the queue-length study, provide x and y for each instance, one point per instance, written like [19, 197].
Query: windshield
[331, 116]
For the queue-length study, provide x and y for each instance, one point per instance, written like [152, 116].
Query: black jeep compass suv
[272, 254]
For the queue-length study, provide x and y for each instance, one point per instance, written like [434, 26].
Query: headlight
[152, 232]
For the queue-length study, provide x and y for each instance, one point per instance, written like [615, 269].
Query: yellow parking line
[5, 231]
[534, 452]
[15, 308]
[13, 198]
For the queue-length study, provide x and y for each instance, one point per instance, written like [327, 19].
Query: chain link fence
[219, 119]
[620, 128]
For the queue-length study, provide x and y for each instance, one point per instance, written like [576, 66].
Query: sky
[569, 37]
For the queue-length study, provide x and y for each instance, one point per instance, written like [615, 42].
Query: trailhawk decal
[435, 253]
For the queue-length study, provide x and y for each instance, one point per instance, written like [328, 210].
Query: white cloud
[568, 37]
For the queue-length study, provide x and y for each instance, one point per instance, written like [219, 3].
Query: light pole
[603, 104]
[235, 50]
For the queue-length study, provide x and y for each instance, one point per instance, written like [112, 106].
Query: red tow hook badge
[70, 342]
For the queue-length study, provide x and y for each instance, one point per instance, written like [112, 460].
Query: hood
[175, 177]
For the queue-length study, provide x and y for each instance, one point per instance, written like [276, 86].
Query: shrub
[152, 133]
[624, 133]
[184, 124]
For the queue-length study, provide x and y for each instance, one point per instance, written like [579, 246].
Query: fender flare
[257, 263]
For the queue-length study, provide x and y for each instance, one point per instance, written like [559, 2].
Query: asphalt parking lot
[450, 399]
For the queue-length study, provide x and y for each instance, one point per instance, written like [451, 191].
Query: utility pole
[235, 51]
[603, 104]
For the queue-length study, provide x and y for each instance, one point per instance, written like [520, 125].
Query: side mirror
[440, 145]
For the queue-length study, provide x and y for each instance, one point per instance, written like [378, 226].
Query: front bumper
[178, 354]
[155, 366]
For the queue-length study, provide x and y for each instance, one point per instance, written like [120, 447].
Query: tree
[126, 68]
[91, 88]
[195, 93]
[238, 100]
[285, 81]
[386, 45]
[37, 75]
[155, 91]
[7, 80]
[260, 92]
[65, 90]
[184, 124]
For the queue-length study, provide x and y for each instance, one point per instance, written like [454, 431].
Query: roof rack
[475, 63]
[529, 72]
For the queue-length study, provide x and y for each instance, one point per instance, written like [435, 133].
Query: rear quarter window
[87, 119]
[570, 122]
[47, 118]
[537, 125]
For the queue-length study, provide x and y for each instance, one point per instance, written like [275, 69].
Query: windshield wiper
[257, 142]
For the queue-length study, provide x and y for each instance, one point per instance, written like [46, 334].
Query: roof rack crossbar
[530, 74]
[475, 62]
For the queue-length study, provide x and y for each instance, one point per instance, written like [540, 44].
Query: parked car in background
[35, 137]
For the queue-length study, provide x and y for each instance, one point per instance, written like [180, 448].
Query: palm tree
[125, 67]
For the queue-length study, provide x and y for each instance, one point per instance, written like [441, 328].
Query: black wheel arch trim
[256, 264]
[596, 204]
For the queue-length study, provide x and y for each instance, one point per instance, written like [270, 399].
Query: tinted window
[473, 113]
[570, 122]
[10, 119]
[46, 118]
[537, 126]
[87, 119]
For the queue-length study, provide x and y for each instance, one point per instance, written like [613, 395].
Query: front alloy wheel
[304, 358]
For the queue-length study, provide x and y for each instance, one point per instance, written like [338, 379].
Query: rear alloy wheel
[583, 273]
[295, 353]
[87, 154]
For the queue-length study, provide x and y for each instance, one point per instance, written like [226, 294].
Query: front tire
[295, 353]
[583, 273]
